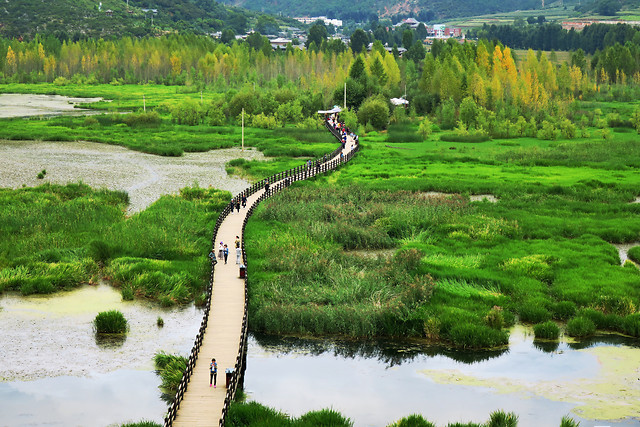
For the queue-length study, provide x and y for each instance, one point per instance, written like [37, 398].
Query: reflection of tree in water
[392, 353]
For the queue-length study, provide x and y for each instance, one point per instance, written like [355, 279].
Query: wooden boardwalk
[203, 405]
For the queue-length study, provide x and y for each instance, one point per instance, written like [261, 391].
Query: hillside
[94, 18]
[361, 10]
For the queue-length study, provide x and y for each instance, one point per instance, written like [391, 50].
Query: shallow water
[623, 249]
[472, 198]
[52, 360]
[27, 105]
[145, 177]
[375, 384]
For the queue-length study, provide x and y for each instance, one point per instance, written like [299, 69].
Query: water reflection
[55, 370]
[391, 353]
[378, 382]
[110, 341]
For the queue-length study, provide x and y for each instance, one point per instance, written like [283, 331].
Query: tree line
[553, 37]
[286, 86]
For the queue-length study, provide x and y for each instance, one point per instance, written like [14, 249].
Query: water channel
[53, 370]
[376, 383]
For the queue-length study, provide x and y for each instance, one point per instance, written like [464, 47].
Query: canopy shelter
[335, 109]
[399, 101]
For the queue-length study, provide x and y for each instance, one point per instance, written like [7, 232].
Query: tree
[608, 7]
[359, 40]
[377, 71]
[227, 36]
[416, 52]
[255, 40]
[407, 39]
[317, 34]
[375, 112]
[357, 70]
[468, 112]
[425, 128]
[267, 25]
[421, 32]
[578, 59]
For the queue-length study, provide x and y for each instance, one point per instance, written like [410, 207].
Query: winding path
[223, 332]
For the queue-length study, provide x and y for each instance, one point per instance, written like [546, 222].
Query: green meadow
[58, 237]
[393, 245]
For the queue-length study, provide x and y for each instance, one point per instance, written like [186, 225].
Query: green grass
[542, 252]
[170, 368]
[58, 237]
[110, 322]
[547, 330]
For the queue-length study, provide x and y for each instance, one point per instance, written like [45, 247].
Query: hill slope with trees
[76, 19]
[363, 10]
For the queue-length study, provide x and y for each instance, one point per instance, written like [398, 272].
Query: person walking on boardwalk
[238, 255]
[213, 369]
[244, 201]
[238, 206]
[266, 187]
[225, 252]
[237, 242]
[220, 250]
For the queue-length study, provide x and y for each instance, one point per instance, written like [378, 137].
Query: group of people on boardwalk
[237, 202]
[333, 120]
[343, 133]
[223, 251]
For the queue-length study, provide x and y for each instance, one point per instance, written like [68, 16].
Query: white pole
[144, 103]
[243, 129]
[200, 97]
[345, 95]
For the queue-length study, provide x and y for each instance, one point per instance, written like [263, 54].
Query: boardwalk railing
[277, 182]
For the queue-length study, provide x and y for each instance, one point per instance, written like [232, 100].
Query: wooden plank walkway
[203, 405]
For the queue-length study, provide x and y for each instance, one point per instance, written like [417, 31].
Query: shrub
[547, 330]
[564, 310]
[170, 368]
[110, 322]
[580, 327]
[535, 266]
[146, 119]
[533, 313]
[630, 325]
[142, 423]
[414, 420]
[374, 111]
[160, 321]
[264, 122]
[324, 418]
[548, 131]
[619, 305]
[426, 128]
[495, 318]
[127, 293]
[569, 422]
[188, 112]
[503, 419]
[91, 122]
[470, 336]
